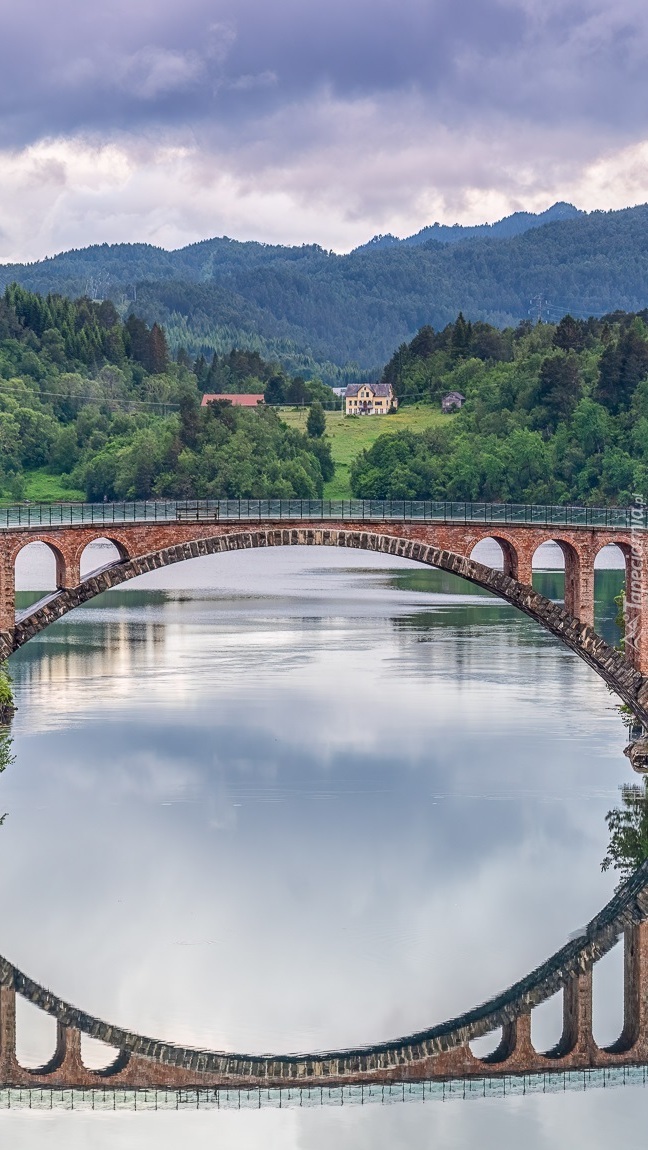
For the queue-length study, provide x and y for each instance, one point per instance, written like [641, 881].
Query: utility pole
[537, 305]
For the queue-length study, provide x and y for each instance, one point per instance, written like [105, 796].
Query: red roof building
[236, 400]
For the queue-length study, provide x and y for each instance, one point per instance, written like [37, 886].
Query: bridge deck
[372, 510]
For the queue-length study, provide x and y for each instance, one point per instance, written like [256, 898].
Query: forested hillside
[95, 408]
[341, 316]
[553, 414]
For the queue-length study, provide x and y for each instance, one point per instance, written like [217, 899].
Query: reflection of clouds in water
[288, 842]
[350, 866]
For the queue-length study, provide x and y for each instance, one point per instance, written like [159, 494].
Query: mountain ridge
[513, 225]
[342, 315]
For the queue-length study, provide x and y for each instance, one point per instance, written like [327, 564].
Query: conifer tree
[461, 338]
[316, 422]
[158, 357]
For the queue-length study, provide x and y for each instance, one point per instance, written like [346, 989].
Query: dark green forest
[340, 316]
[100, 403]
[553, 414]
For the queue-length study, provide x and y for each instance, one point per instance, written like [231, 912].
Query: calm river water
[298, 799]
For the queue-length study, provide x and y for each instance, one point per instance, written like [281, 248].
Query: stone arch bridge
[148, 536]
[147, 539]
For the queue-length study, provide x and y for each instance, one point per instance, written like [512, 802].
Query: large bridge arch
[609, 663]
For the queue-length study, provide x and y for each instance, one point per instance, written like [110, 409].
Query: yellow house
[370, 399]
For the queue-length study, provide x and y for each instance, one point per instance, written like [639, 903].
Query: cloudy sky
[294, 121]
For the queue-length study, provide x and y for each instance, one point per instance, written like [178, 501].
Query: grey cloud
[71, 69]
[288, 121]
[152, 72]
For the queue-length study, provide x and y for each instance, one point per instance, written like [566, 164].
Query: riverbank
[7, 705]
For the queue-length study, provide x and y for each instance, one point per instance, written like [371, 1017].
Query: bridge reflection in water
[290, 1097]
[156, 1073]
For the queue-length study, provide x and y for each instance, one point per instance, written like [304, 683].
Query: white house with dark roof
[370, 399]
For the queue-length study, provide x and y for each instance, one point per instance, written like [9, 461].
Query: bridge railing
[353, 510]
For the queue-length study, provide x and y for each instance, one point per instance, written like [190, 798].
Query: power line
[90, 398]
[541, 308]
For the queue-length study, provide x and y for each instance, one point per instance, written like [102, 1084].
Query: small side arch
[619, 545]
[88, 557]
[575, 594]
[62, 563]
[634, 592]
[483, 552]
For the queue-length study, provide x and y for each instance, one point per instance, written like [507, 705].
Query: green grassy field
[351, 435]
[41, 487]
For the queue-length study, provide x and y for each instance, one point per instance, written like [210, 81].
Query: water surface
[300, 799]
